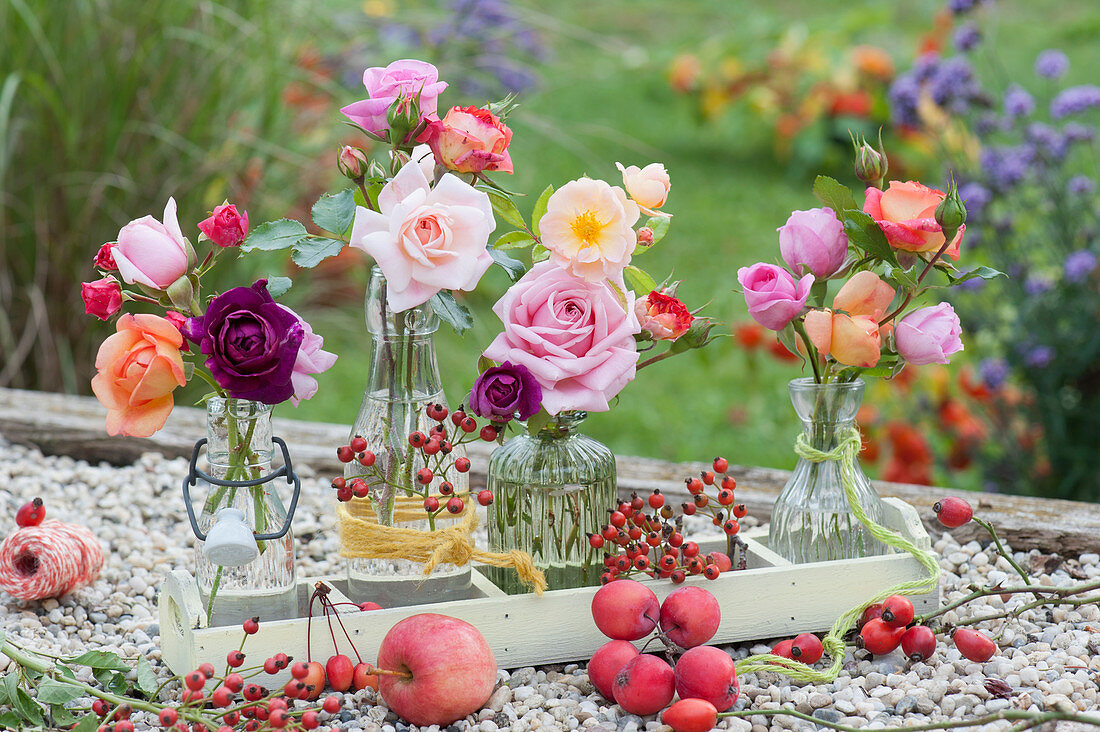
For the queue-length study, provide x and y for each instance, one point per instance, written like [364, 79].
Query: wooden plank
[72, 425]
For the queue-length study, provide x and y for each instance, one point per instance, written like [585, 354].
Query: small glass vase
[403, 380]
[239, 447]
[812, 520]
[551, 491]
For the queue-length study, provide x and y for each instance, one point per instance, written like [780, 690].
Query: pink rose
[929, 335]
[573, 335]
[426, 239]
[648, 186]
[589, 229]
[813, 241]
[906, 213]
[311, 360]
[773, 297]
[225, 227]
[102, 298]
[180, 321]
[470, 140]
[405, 78]
[151, 253]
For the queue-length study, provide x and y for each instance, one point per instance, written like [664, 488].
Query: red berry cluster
[654, 544]
[432, 450]
[644, 684]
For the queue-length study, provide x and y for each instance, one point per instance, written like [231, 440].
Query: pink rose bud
[151, 252]
[929, 335]
[469, 140]
[813, 241]
[104, 260]
[406, 78]
[352, 162]
[225, 226]
[179, 320]
[663, 315]
[102, 298]
[645, 236]
[773, 296]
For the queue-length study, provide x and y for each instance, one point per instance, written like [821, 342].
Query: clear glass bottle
[812, 520]
[404, 378]
[238, 433]
[550, 491]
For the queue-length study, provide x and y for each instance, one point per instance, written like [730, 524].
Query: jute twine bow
[365, 538]
[833, 643]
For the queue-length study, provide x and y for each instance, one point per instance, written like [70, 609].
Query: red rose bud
[352, 162]
[663, 315]
[102, 298]
[104, 259]
[469, 140]
[226, 227]
[178, 320]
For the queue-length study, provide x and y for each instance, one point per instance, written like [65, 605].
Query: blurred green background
[108, 108]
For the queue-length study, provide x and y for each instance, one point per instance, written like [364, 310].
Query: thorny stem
[1031, 605]
[1001, 550]
[1031, 719]
[988, 591]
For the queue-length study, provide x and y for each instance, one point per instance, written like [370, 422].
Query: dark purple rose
[506, 391]
[252, 343]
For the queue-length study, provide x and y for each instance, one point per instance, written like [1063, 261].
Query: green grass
[605, 99]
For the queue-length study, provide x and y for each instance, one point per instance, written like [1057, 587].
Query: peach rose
[589, 229]
[851, 335]
[139, 368]
[648, 186]
[906, 213]
[469, 140]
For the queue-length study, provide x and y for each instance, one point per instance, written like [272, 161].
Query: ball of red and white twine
[48, 560]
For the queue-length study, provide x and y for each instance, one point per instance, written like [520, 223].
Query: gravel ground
[1048, 657]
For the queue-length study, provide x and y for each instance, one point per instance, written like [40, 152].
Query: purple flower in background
[1079, 265]
[961, 7]
[1078, 132]
[976, 197]
[1080, 185]
[505, 392]
[1037, 284]
[1018, 103]
[1052, 63]
[993, 371]
[977, 284]
[952, 86]
[1047, 140]
[925, 66]
[1006, 166]
[967, 37]
[904, 95]
[1075, 100]
[986, 124]
[1039, 357]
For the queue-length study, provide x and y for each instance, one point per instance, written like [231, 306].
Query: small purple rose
[252, 343]
[505, 392]
[813, 241]
[929, 335]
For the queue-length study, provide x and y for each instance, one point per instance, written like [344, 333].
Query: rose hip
[879, 638]
[869, 613]
[897, 611]
[691, 715]
[918, 643]
[974, 644]
[953, 512]
[645, 685]
[31, 513]
[625, 610]
[690, 616]
[783, 648]
[606, 663]
[807, 648]
[706, 672]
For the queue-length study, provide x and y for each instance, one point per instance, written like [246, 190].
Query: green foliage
[451, 311]
[335, 213]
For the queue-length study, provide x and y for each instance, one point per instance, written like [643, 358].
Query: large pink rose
[906, 213]
[573, 335]
[773, 296]
[152, 253]
[404, 78]
[426, 239]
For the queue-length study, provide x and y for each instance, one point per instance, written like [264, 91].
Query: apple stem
[373, 671]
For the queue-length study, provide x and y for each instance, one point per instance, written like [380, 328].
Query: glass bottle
[550, 491]
[812, 520]
[239, 447]
[404, 378]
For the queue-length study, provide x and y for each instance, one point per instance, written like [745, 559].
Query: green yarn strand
[833, 643]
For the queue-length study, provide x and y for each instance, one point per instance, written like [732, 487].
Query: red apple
[606, 663]
[451, 669]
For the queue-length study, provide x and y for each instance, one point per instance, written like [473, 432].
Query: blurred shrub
[107, 108]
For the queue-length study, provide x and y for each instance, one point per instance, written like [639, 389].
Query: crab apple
[807, 648]
[918, 643]
[897, 611]
[879, 638]
[691, 715]
[625, 610]
[720, 560]
[644, 685]
[974, 644]
[314, 680]
[362, 678]
[339, 670]
[606, 663]
[690, 616]
[783, 648]
[706, 672]
[451, 671]
[369, 606]
[953, 512]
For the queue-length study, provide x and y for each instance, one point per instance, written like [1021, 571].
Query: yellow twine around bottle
[362, 537]
[833, 642]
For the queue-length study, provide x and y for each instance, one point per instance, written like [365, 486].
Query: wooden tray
[771, 598]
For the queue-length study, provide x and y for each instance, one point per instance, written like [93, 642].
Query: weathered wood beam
[61, 424]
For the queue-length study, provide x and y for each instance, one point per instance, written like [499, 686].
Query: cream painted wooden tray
[771, 598]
